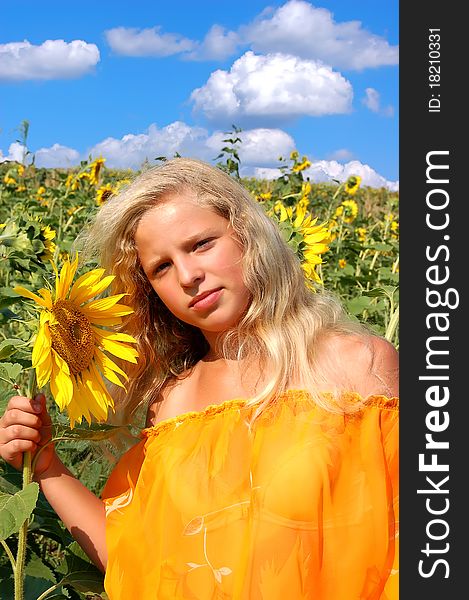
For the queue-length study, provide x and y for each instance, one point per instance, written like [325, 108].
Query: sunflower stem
[22, 535]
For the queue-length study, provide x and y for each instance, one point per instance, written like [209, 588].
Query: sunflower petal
[108, 372]
[104, 361]
[78, 407]
[120, 350]
[116, 336]
[61, 384]
[21, 291]
[83, 288]
[105, 304]
[42, 345]
[64, 280]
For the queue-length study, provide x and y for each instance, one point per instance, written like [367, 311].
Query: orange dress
[300, 505]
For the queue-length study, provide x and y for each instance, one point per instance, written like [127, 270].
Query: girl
[268, 465]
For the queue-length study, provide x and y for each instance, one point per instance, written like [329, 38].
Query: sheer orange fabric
[300, 505]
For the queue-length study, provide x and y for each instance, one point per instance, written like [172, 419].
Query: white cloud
[274, 86]
[218, 44]
[57, 156]
[372, 100]
[325, 170]
[301, 29]
[130, 41]
[259, 152]
[133, 149]
[260, 147]
[16, 152]
[54, 59]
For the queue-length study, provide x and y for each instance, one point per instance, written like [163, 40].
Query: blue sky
[135, 80]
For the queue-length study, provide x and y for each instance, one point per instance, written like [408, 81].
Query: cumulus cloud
[218, 44]
[301, 29]
[259, 152]
[132, 150]
[326, 170]
[372, 101]
[54, 59]
[16, 152]
[258, 146]
[57, 156]
[130, 41]
[275, 86]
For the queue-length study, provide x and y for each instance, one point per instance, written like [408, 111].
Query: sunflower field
[346, 237]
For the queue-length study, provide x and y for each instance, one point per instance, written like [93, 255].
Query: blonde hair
[283, 324]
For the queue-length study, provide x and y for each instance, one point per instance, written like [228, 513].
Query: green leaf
[358, 305]
[95, 432]
[80, 573]
[36, 568]
[7, 347]
[16, 508]
[10, 371]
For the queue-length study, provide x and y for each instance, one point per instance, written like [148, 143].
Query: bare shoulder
[165, 406]
[369, 364]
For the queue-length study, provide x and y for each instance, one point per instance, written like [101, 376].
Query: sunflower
[316, 240]
[47, 235]
[72, 348]
[348, 211]
[104, 193]
[95, 169]
[352, 184]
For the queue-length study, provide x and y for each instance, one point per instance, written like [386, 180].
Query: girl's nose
[189, 272]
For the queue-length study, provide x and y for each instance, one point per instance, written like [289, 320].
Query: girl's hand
[26, 426]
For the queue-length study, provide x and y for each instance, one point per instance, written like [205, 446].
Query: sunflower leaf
[94, 432]
[10, 371]
[16, 508]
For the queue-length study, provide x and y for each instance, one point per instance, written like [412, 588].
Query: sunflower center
[72, 336]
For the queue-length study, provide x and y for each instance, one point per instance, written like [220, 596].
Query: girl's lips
[207, 301]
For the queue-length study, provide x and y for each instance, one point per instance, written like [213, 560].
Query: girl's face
[194, 263]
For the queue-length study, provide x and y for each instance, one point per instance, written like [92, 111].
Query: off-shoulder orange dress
[302, 504]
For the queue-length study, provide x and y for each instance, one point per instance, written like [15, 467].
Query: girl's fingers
[20, 432]
[15, 449]
[17, 416]
[26, 404]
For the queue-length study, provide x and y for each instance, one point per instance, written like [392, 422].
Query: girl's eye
[202, 243]
[161, 268]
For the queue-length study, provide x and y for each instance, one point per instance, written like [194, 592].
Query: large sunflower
[72, 349]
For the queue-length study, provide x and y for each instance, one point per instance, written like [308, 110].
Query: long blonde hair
[285, 319]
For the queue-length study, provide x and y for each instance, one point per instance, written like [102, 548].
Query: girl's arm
[26, 426]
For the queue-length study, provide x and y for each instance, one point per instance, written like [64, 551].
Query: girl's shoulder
[363, 363]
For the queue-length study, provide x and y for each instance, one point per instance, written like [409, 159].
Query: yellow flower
[71, 350]
[361, 233]
[342, 263]
[283, 212]
[348, 211]
[294, 155]
[9, 180]
[21, 188]
[395, 226]
[352, 184]
[95, 169]
[20, 169]
[264, 196]
[41, 190]
[301, 166]
[316, 239]
[104, 193]
[48, 235]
